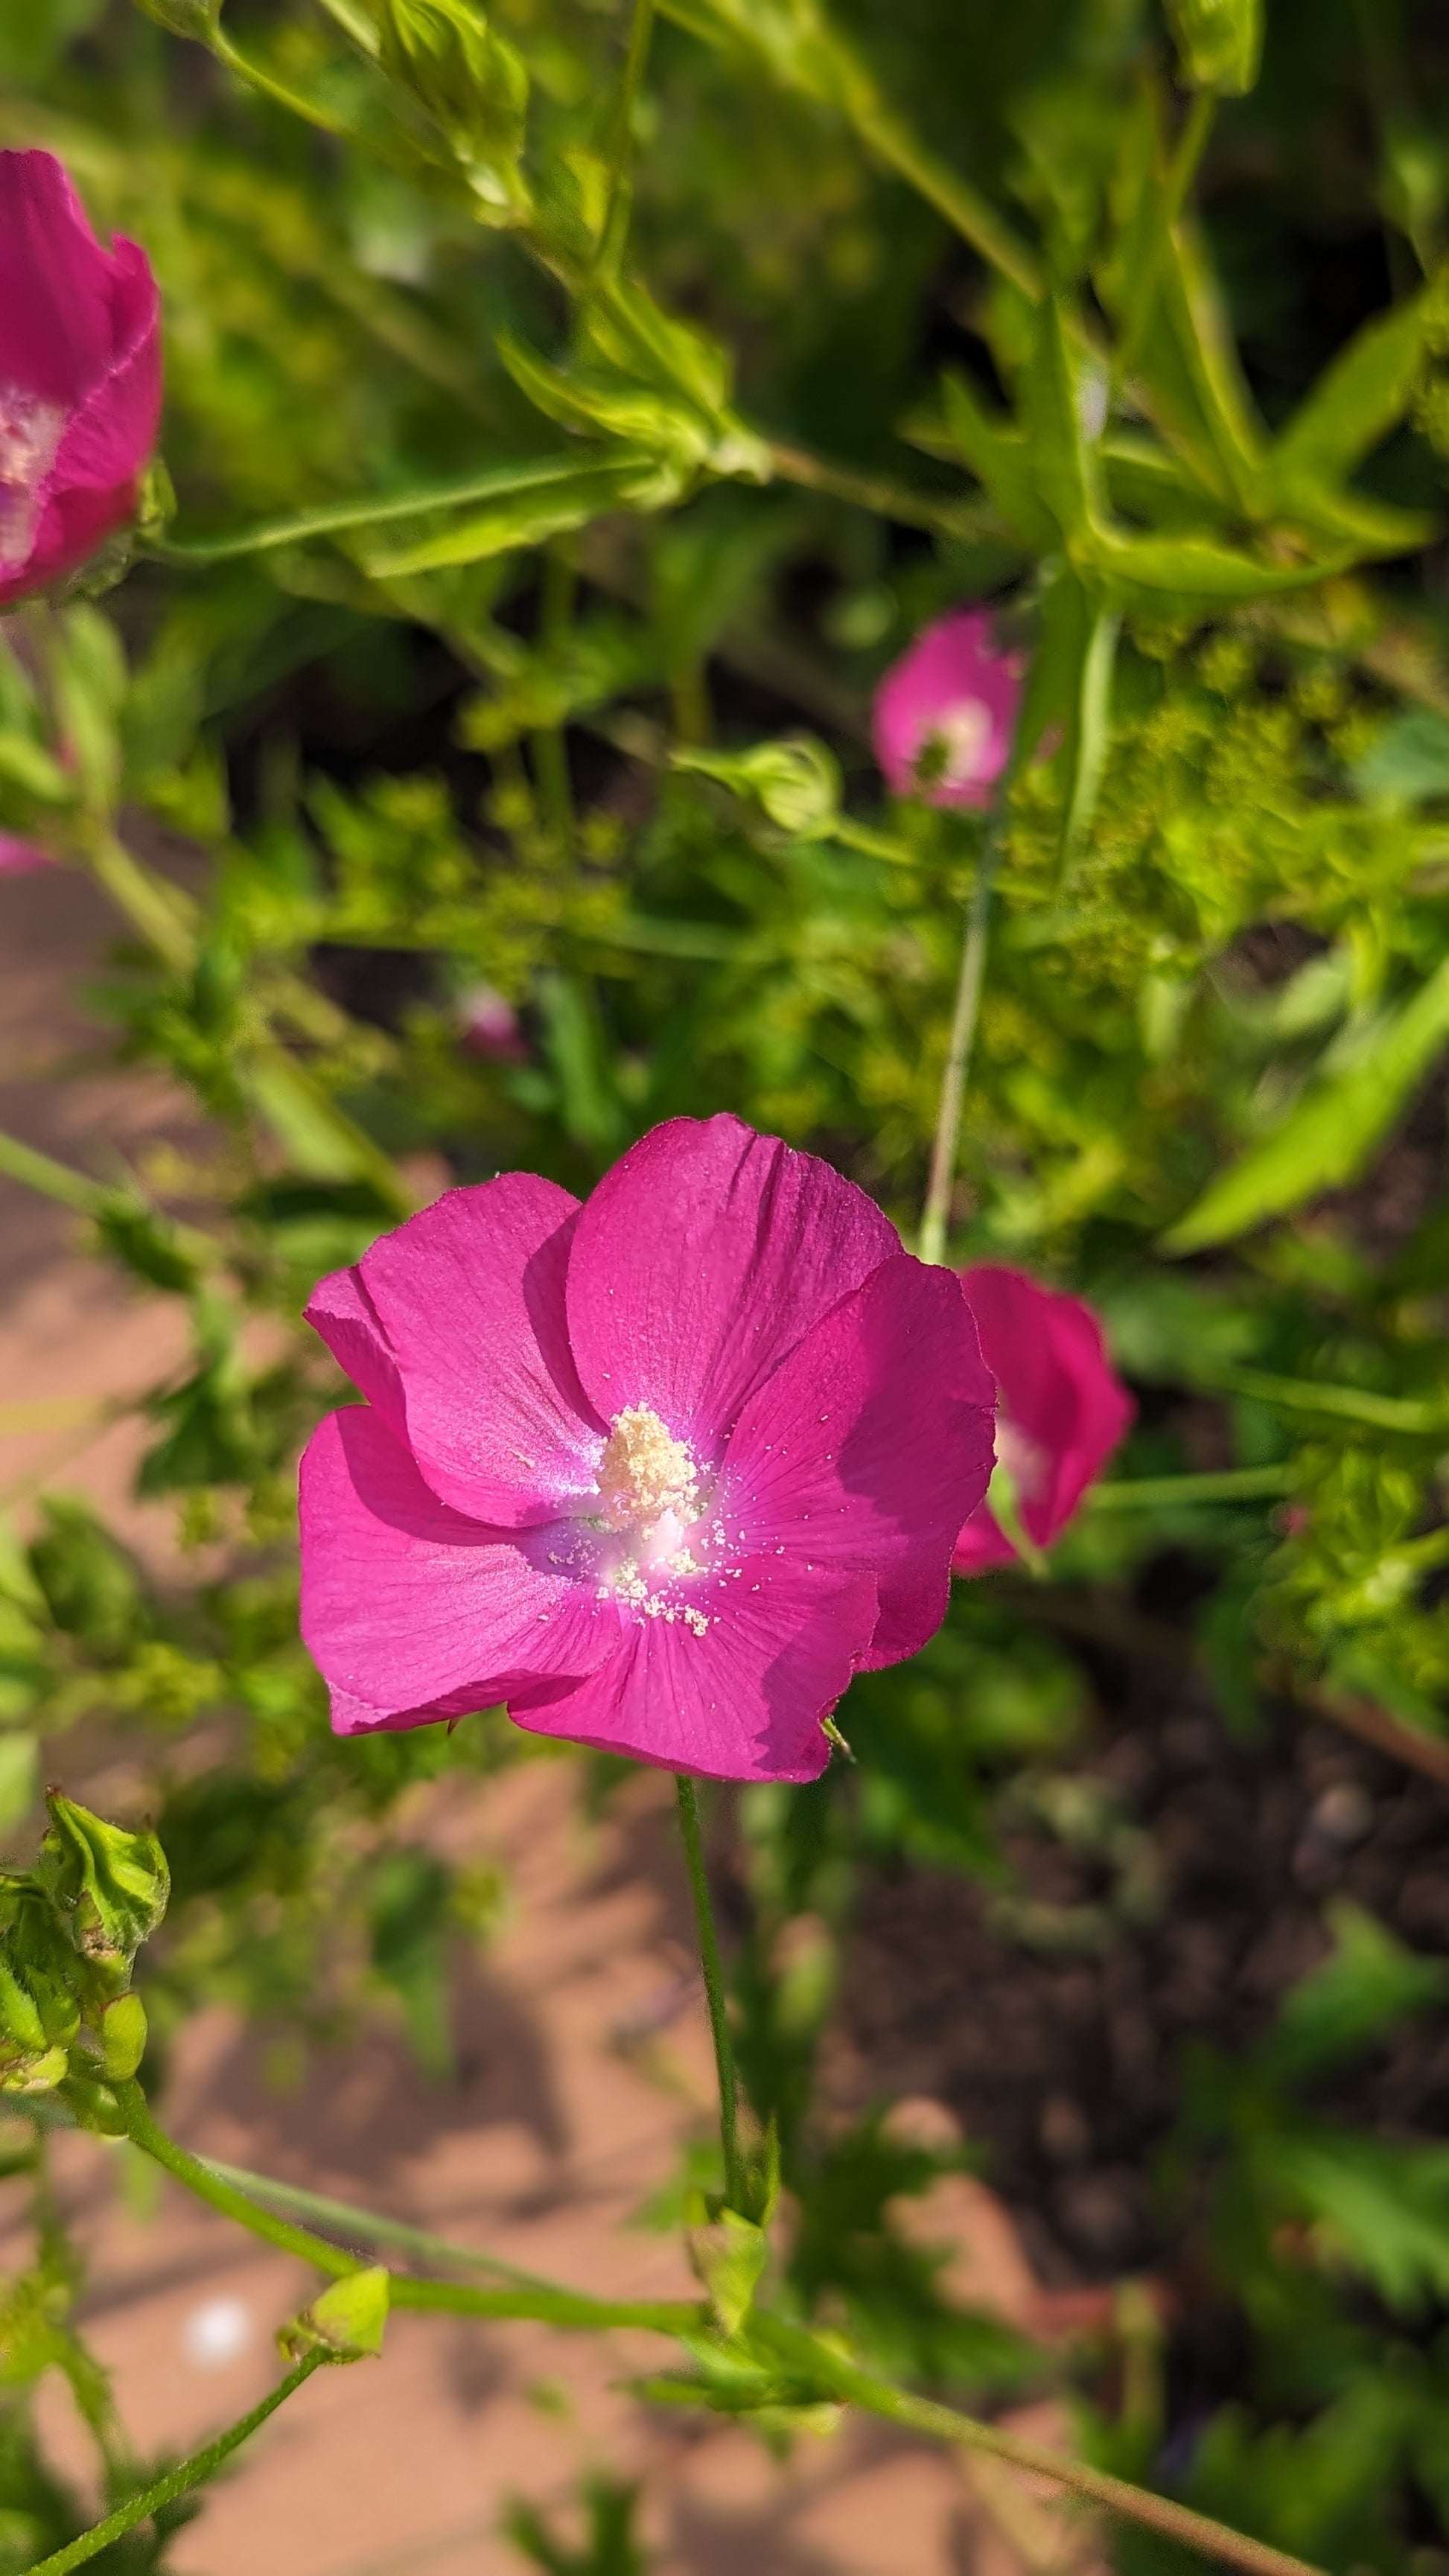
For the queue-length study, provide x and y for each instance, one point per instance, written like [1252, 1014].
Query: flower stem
[936, 1213]
[1219, 1485]
[176, 2482]
[621, 142]
[714, 1991]
[845, 2379]
[543, 2301]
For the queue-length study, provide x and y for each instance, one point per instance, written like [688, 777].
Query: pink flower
[662, 1471]
[945, 713]
[20, 858]
[80, 377]
[489, 1026]
[1062, 1407]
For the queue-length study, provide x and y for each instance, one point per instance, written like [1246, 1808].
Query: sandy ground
[584, 2066]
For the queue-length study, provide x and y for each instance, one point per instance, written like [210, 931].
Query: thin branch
[724, 2056]
[176, 2482]
[1176, 2522]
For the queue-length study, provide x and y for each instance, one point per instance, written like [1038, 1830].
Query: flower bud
[1219, 42]
[109, 1887]
[347, 2321]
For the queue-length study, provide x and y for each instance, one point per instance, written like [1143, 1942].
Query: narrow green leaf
[524, 520]
[1061, 463]
[1326, 1139]
[374, 510]
[1357, 400]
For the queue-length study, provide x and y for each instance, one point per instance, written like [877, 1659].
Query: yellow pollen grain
[644, 1471]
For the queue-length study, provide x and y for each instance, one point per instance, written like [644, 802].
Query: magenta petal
[869, 1446]
[80, 377]
[742, 1702]
[55, 283]
[700, 1260]
[412, 1611]
[340, 1310]
[468, 1302]
[1063, 1406]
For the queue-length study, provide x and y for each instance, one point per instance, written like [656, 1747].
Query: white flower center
[30, 433]
[960, 737]
[1026, 1462]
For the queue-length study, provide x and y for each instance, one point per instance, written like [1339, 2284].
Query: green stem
[882, 495]
[331, 518]
[724, 2058]
[935, 1216]
[187, 2169]
[364, 2225]
[550, 747]
[1175, 2522]
[527, 2296]
[1197, 125]
[964, 208]
[1160, 1493]
[176, 2482]
[620, 153]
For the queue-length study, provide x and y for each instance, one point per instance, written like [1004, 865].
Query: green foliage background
[557, 472]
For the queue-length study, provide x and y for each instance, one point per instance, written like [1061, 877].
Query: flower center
[645, 1474]
[955, 743]
[30, 433]
[1025, 1461]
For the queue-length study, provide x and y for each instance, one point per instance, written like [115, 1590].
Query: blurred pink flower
[20, 858]
[489, 1026]
[662, 1471]
[1061, 1407]
[80, 377]
[949, 703]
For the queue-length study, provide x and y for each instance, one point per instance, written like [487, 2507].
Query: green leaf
[1062, 462]
[1369, 1984]
[996, 453]
[528, 518]
[1382, 2209]
[1408, 761]
[1327, 1138]
[1358, 399]
[474, 87]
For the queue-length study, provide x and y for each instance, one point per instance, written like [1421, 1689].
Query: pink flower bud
[1061, 1407]
[945, 713]
[80, 377]
[20, 858]
[489, 1026]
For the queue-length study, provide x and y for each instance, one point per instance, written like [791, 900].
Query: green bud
[108, 1886]
[346, 2321]
[1219, 42]
[797, 781]
[472, 84]
[123, 2037]
[729, 2258]
[39, 2011]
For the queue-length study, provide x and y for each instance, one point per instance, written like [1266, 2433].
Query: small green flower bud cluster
[69, 1932]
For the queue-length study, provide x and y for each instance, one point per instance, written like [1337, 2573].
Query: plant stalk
[709, 1958]
[177, 2481]
[935, 1216]
[1175, 2522]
